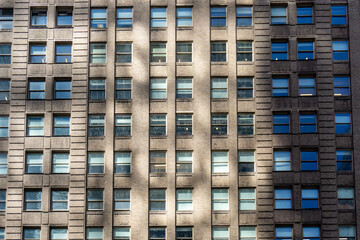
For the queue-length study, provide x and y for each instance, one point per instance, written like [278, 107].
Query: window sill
[64, 26]
[97, 101]
[244, 27]
[99, 29]
[60, 210]
[281, 24]
[157, 212]
[220, 211]
[219, 136]
[95, 211]
[184, 136]
[158, 28]
[224, 174]
[340, 61]
[184, 212]
[184, 28]
[38, 27]
[184, 63]
[184, 174]
[122, 137]
[219, 99]
[158, 100]
[61, 99]
[245, 99]
[121, 212]
[158, 174]
[6, 30]
[123, 64]
[340, 26]
[184, 99]
[97, 64]
[218, 27]
[219, 63]
[122, 174]
[158, 137]
[124, 28]
[98, 137]
[342, 97]
[95, 174]
[246, 173]
[65, 63]
[123, 100]
[345, 172]
[246, 136]
[244, 62]
[61, 135]
[343, 134]
[306, 60]
[279, 60]
[247, 211]
[307, 24]
[158, 63]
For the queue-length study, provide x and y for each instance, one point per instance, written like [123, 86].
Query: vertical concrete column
[140, 120]
[202, 120]
[79, 105]
[17, 118]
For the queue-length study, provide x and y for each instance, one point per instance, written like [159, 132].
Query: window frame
[304, 16]
[3, 163]
[246, 161]
[185, 89]
[55, 127]
[305, 162]
[116, 237]
[214, 235]
[157, 200]
[184, 201]
[26, 200]
[215, 126]
[240, 17]
[278, 88]
[123, 124]
[346, 236]
[307, 199]
[40, 127]
[216, 203]
[100, 131]
[99, 200]
[38, 10]
[118, 19]
[36, 91]
[184, 54]
[304, 123]
[274, 53]
[6, 57]
[337, 16]
[58, 228]
[59, 201]
[62, 80]
[122, 88]
[161, 237]
[157, 162]
[6, 19]
[97, 89]
[95, 19]
[67, 10]
[244, 127]
[96, 55]
[304, 87]
[279, 200]
[66, 55]
[158, 56]
[36, 229]
[122, 199]
[341, 161]
[338, 87]
[93, 162]
[273, 16]
[341, 51]
[162, 19]
[346, 202]
[123, 54]
[38, 165]
[182, 234]
[301, 51]
[4, 129]
[280, 160]
[286, 237]
[215, 18]
[216, 54]
[342, 124]
[53, 164]
[184, 124]
[307, 236]
[277, 124]
[183, 17]
[219, 87]
[247, 236]
[245, 88]
[2, 200]
[87, 236]
[121, 163]
[41, 54]
[220, 162]
[158, 88]
[179, 161]
[157, 127]
[247, 201]
[243, 51]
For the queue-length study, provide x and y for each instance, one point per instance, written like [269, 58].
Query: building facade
[179, 119]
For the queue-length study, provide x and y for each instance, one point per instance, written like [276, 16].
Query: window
[96, 162]
[183, 124]
[338, 15]
[341, 86]
[184, 200]
[310, 198]
[121, 233]
[244, 51]
[3, 163]
[218, 16]
[32, 200]
[183, 87]
[123, 52]
[34, 162]
[220, 199]
[278, 15]
[37, 53]
[342, 123]
[63, 53]
[218, 87]
[2, 233]
[58, 233]
[308, 160]
[38, 17]
[94, 233]
[304, 15]
[60, 162]
[247, 233]
[96, 125]
[157, 52]
[219, 162]
[247, 199]
[245, 124]
[283, 199]
[219, 124]
[184, 16]
[2, 200]
[122, 162]
[311, 233]
[95, 199]
[122, 199]
[61, 125]
[157, 233]
[183, 52]
[35, 126]
[157, 88]
[4, 126]
[307, 123]
[98, 18]
[184, 233]
[279, 51]
[220, 233]
[97, 89]
[246, 161]
[245, 87]
[157, 162]
[64, 17]
[157, 199]
[345, 198]
[280, 87]
[97, 52]
[281, 123]
[306, 86]
[157, 125]
[184, 162]
[344, 160]
[59, 200]
[123, 88]
[4, 89]
[124, 17]
[283, 233]
[5, 53]
[282, 160]
[6, 18]
[62, 88]
[158, 17]
[347, 232]
[36, 88]
[340, 50]
[244, 16]
[305, 50]
[218, 51]
[31, 233]
[123, 125]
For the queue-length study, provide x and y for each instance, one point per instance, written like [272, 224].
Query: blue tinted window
[305, 50]
[62, 89]
[342, 123]
[218, 16]
[158, 17]
[243, 16]
[311, 233]
[307, 123]
[281, 123]
[279, 51]
[32, 233]
[5, 53]
[304, 15]
[280, 87]
[341, 86]
[310, 198]
[4, 126]
[308, 160]
[38, 53]
[64, 17]
[183, 16]
[6, 18]
[61, 125]
[63, 53]
[38, 17]
[124, 17]
[278, 15]
[98, 18]
[340, 50]
[338, 15]
[282, 160]
[306, 86]
[344, 160]
[283, 233]
[282, 198]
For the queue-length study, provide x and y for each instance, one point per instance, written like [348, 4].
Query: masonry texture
[328, 216]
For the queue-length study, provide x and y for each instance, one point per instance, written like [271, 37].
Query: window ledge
[158, 28]
[99, 29]
[247, 174]
[306, 24]
[245, 99]
[343, 134]
[37, 63]
[38, 27]
[97, 64]
[184, 212]
[219, 99]
[122, 174]
[219, 136]
[97, 101]
[60, 210]
[124, 28]
[158, 63]
[121, 212]
[64, 26]
[244, 62]
[225, 174]
[283, 24]
[342, 97]
[220, 211]
[158, 174]
[219, 63]
[65, 63]
[184, 63]
[122, 137]
[184, 174]
[95, 211]
[61, 136]
[184, 28]
[184, 136]
[246, 136]
[218, 27]
[123, 100]
[158, 100]
[345, 172]
[157, 211]
[95, 174]
[247, 211]
[340, 26]
[3, 175]
[340, 61]
[244, 27]
[123, 64]
[158, 137]
[93, 137]
[184, 99]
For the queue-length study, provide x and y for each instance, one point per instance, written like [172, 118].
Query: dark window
[244, 16]
[157, 162]
[278, 15]
[218, 51]
[59, 200]
[279, 51]
[344, 160]
[183, 16]
[122, 200]
[6, 18]
[219, 124]
[64, 17]
[95, 199]
[184, 233]
[157, 233]
[304, 15]
[97, 89]
[246, 161]
[38, 17]
[61, 125]
[245, 124]
[62, 88]
[32, 201]
[98, 53]
[338, 15]
[157, 125]
[183, 124]
[124, 17]
[218, 16]
[283, 199]
[281, 123]
[96, 162]
[37, 53]
[157, 52]
[244, 51]
[306, 86]
[123, 88]
[342, 123]
[345, 198]
[123, 52]
[98, 18]
[96, 125]
[309, 160]
[4, 89]
[157, 200]
[347, 232]
[245, 87]
[183, 52]
[5, 53]
[311, 233]
[305, 50]
[280, 87]
[122, 125]
[2, 200]
[307, 123]
[341, 86]
[310, 198]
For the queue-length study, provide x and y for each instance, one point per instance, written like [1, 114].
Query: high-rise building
[179, 119]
